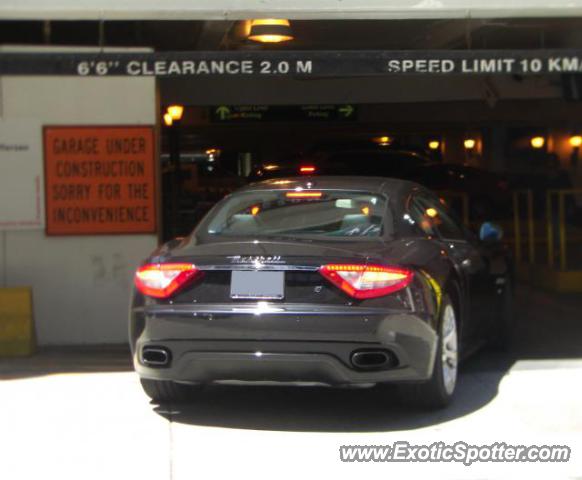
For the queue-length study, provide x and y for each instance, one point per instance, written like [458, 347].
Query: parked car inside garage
[327, 280]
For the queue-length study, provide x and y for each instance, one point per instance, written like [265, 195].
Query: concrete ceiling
[309, 35]
[299, 9]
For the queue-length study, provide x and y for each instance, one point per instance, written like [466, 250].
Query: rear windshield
[325, 213]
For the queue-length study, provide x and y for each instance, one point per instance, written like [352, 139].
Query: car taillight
[367, 281]
[161, 280]
[304, 194]
[306, 169]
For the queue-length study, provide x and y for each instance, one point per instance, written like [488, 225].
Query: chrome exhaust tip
[153, 356]
[372, 359]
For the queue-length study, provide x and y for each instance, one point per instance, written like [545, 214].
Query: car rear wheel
[439, 390]
[168, 391]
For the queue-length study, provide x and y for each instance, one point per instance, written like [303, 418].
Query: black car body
[326, 280]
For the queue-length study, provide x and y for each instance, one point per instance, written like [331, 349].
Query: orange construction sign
[99, 180]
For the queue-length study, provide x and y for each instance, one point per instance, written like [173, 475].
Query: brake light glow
[367, 281]
[162, 280]
[304, 194]
[307, 169]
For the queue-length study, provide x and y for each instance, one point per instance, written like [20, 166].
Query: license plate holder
[257, 285]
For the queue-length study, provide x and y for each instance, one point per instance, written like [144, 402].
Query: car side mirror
[490, 232]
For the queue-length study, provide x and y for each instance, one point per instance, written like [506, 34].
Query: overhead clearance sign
[99, 180]
[295, 63]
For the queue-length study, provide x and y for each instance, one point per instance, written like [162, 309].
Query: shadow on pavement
[333, 410]
[548, 327]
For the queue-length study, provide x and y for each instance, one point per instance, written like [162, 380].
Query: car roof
[369, 184]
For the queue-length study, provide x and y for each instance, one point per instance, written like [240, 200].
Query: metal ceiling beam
[292, 63]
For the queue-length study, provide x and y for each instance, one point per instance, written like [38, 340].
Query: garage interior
[524, 128]
[486, 121]
[527, 130]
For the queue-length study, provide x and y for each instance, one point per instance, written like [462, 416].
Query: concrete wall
[80, 283]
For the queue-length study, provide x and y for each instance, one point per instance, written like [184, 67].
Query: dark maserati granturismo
[347, 282]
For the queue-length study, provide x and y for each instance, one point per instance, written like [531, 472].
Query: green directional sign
[222, 112]
[347, 111]
[282, 113]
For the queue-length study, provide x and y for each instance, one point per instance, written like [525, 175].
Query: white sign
[21, 189]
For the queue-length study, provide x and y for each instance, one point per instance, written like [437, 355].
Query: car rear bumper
[291, 346]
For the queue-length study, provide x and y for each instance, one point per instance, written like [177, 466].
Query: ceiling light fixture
[270, 30]
[538, 142]
[469, 143]
[384, 140]
[168, 120]
[176, 112]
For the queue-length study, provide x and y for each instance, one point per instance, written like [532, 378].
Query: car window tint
[327, 213]
[434, 216]
[419, 217]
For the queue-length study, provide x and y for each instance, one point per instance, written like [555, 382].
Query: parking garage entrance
[493, 132]
[146, 127]
[489, 119]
